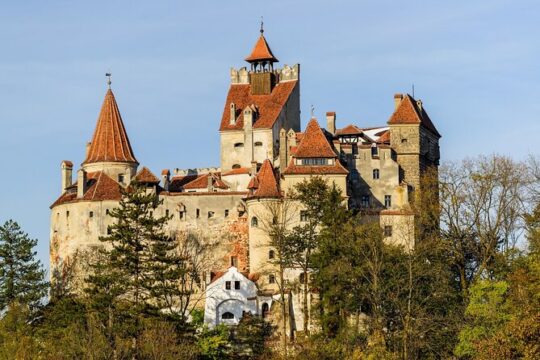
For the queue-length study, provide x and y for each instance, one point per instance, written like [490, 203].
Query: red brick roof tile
[110, 141]
[408, 112]
[239, 171]
[384, 137]
[268, 106]
[146, 176]
[99, 187]
[261, 52]
[201, 182]
[265, 184]
[314, 143]
[349, 130]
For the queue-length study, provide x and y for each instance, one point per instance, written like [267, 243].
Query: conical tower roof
[110, 142]
[261, 52]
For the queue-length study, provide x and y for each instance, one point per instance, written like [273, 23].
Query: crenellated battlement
[286, 73]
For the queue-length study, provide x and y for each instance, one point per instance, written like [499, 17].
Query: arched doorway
[264, 310]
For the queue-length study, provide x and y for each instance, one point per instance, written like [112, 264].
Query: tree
[21, 275]
[135, 277]
[303, 240]
[481, 208]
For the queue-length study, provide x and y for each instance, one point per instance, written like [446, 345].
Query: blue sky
[475, 64]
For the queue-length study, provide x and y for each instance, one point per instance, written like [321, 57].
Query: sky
[474, 63]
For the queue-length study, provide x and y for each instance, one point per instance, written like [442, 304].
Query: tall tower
[261, 101]
[414, 138]
[110, 150]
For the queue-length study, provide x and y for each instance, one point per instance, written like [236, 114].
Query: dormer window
[315, 161]
[121, 178]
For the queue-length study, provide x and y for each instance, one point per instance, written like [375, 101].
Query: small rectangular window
[303, 216]
[167, 213]
[120, 178]
[234, 261]
[227, 285]
[198, 213]
[181, 215]
[365, 201]
[109, 231]
[107, 211]
[91, 214]
[388, 231]
[271, 279]
[67, 214]
[210, 214]
[374, 150]
[388, 201]
[237, 285]
[227, 213]
[375, 174]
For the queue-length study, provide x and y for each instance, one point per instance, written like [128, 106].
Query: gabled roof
[314, 143]
[99, 187]
[261, 52]
[265, 184]
[146, 176]
[384, 138]
[349, 130]
[110, 141]
[408, 112]
[268, 106]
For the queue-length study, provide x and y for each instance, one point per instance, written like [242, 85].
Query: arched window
[254, 222]
[271, 254]
[239, 145]
[271, 279]
[264, 309]
[375, 174]
[227, 316]
[236, 166]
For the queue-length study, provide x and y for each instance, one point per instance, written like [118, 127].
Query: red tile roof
[349, 130]
[335, 169]
[99, 187]
[146, 176]
[110, 141]
[265, 184]
[178, 182]
[261, 52]
[384, 137]
[201, 182]
[408, 112]
[314, 143]
[239, 171]
[268, 106]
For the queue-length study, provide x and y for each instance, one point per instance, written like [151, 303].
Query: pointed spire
[261, 51]
[314, 143]
[265, 184]
[110, 142]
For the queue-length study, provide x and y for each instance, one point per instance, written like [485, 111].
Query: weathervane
[262, 26]
[108, 75]
[312, 111]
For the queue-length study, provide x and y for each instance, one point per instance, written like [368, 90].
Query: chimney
[210, 183]
[397, 100]
[81, 183]
[249, 117]
[165, 178]
[331, 122]
[282, 149]
[232, 119]
[67, 174]
[253, 168]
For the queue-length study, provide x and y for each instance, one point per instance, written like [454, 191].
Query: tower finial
[108, 75]
[312, 111]
[262, 25]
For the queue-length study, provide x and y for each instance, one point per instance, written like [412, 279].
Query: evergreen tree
[21, 275]
[133, 278]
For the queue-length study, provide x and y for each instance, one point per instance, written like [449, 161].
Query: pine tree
[133, 277]
[21, 275]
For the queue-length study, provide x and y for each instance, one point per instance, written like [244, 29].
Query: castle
[264, 153]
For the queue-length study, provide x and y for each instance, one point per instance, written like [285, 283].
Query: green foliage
[214, 343]
[21, 275]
